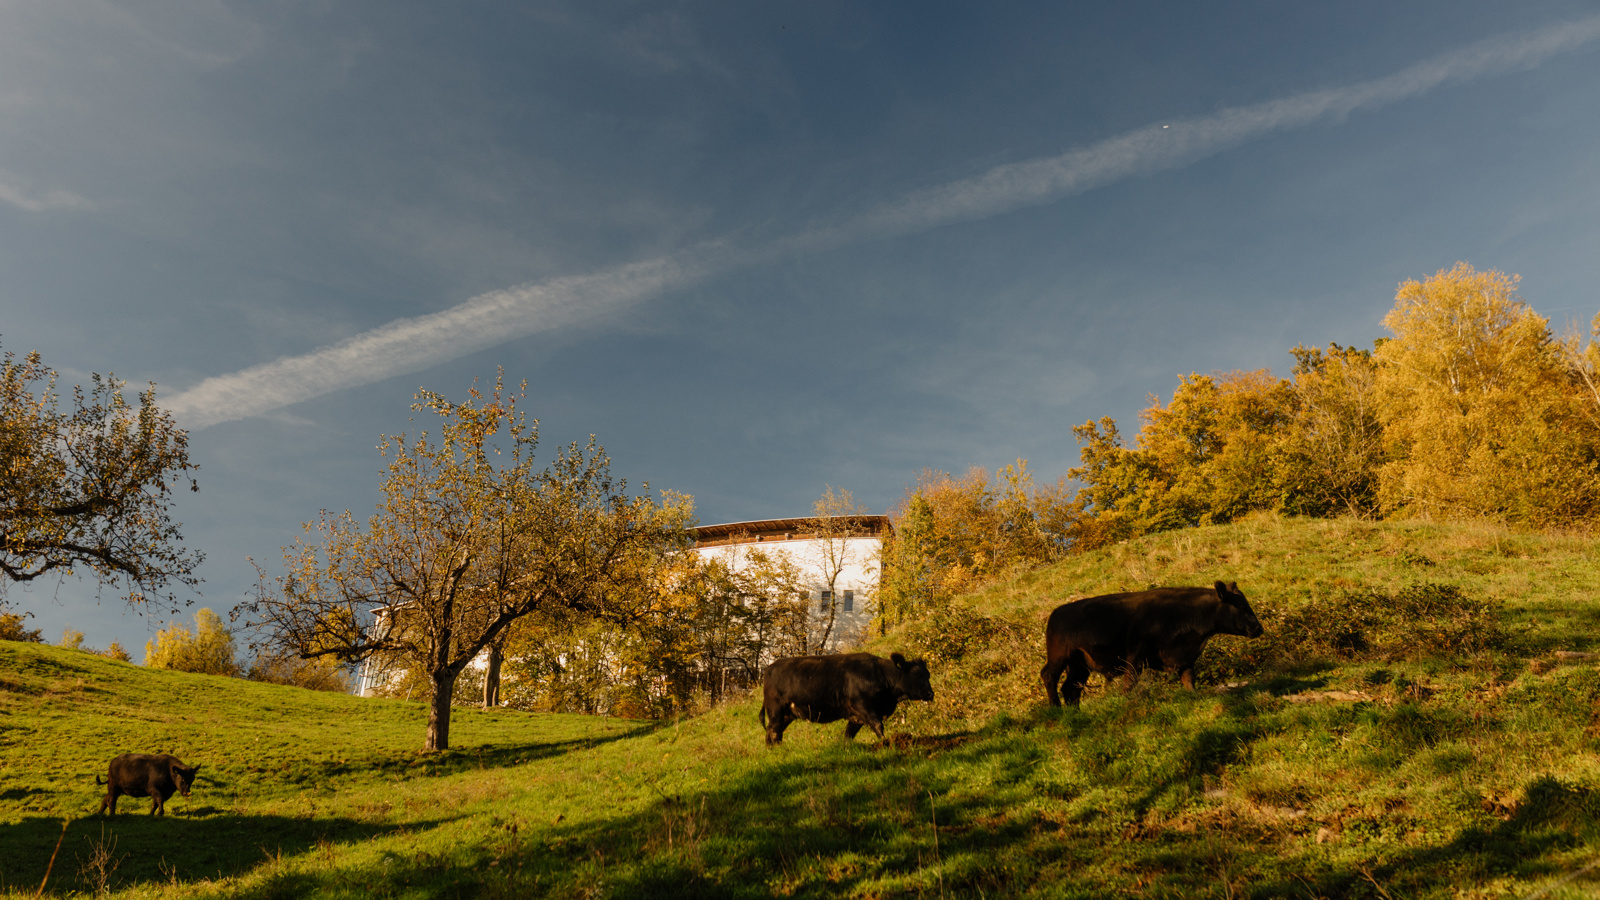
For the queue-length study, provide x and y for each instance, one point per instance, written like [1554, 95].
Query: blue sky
[756, 249]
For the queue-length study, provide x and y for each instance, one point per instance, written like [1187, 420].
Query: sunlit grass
[1411, 776]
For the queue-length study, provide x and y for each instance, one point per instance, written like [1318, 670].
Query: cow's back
[1093, 621]
[1127, 617]
[817, 680]
[797, 678]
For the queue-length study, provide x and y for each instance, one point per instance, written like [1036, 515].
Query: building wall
[859, 576]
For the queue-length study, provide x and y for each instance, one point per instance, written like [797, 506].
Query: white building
[855, 557]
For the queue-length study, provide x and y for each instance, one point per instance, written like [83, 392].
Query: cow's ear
[1222, 589]
[1233, 588]
[898, 660]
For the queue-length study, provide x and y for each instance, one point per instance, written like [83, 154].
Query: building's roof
[782, 529]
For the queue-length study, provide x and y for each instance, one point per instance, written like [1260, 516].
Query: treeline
[1473, 409]
[208, 649]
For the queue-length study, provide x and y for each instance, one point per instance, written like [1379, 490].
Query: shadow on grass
[413, 764]
[1555, 817]
[961, 813]
[143, 848]
[799, 820]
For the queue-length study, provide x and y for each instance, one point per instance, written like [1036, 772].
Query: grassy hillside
[1411, 762]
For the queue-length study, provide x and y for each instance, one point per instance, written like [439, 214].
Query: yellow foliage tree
[953, 534]
[208, 649]
[13, 628]
[1217, 450]
[470, 538]
[1335, 446]
[90, 490]
[1480, 412]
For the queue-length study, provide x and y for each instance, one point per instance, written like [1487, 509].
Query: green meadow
[1421, 720]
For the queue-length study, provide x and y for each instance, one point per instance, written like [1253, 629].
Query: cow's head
[183, 777]
[1236, 616]
[914, 677]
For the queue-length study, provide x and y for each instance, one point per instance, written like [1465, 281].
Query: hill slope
[1380, 767]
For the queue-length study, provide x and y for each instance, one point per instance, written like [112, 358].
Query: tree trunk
[444, 684]
[491, 678]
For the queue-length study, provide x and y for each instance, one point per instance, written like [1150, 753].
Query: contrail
[1175, 144]
[410, 345]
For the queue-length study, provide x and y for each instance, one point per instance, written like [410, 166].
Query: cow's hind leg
[850, 729]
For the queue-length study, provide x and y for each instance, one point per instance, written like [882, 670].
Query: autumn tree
[1336, 444]
[469, 539]
[320, 674]
[13, 627]
[910, 576]
[1118, 489]
[1480, 411]
[953, 534]
[1582, 362]
[1472, 409]
[208, 649]
[1216, 446]
[90, 490]
[1213, 453]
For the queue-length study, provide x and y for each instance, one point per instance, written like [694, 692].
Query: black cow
[146, 775]
[857, 686]
[1161, 629]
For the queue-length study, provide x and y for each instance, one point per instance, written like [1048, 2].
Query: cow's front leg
[1187, 677]
[861, 715]
[776, 723]
[850, 729]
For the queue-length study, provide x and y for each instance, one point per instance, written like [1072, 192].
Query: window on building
[849, 601]
[825, 601]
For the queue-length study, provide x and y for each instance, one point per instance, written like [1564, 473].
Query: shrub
[72, 639]
[207, 650]
[1427, 620]
[322, 674]
[982, 663]
[11, 629]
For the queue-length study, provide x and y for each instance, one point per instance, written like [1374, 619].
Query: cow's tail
[98, 780]
[762, 715]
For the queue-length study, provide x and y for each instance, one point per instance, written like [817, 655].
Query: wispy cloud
[410, 345]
